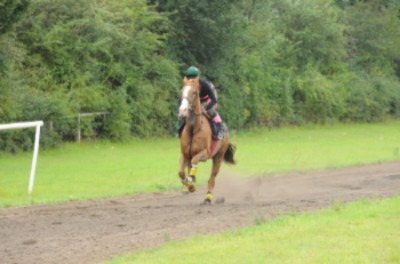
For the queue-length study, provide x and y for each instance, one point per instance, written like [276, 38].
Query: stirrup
[220, 135]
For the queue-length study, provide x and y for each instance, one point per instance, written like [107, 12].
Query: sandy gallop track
[93, 231]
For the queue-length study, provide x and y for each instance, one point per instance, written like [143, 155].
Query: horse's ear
[185, 80]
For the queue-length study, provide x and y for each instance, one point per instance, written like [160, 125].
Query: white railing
[36, 124]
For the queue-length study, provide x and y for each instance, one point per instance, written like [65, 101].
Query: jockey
[208, 97]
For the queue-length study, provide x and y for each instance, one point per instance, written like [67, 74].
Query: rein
[192, 117]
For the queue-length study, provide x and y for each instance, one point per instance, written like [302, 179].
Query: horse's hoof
[206, 202]
[189, 184]
[185, 189]
[191, 187]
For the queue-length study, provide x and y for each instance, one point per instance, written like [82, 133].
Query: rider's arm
[206, 89]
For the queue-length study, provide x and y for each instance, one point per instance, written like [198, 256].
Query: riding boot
[220, 130]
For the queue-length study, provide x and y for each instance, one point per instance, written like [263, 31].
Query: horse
[197, 143]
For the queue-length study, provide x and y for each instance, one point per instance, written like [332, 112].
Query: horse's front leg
[201, 156]
[184, 164]
[190, 181]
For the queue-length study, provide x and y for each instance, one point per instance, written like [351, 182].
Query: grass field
[362, 232]
[103, 169]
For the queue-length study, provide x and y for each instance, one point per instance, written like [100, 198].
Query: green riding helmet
[192, 71]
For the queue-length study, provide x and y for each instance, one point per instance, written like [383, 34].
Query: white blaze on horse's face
[184, 107]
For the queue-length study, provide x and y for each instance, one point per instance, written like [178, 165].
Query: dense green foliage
[273, 62]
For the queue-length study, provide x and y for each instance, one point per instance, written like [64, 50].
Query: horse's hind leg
[217, 160]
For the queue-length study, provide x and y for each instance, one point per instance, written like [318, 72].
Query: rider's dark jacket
[207, 92]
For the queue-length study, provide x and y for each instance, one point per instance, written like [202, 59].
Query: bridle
[192, 116]
[191, 103]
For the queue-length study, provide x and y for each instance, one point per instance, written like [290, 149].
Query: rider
[208, 97]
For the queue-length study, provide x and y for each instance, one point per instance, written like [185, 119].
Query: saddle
[218, 130]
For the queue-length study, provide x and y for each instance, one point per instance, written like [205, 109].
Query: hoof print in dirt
[220, 200]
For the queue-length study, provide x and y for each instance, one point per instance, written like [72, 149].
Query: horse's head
[190, 97]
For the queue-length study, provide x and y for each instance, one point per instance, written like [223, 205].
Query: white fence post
[34, 159]
[36, 124]
[78, 135]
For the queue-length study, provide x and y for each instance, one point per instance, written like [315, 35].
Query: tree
[10, 12]
[89, 50]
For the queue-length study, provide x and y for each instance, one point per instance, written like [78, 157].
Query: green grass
[90, 170]
[362, 232]
[103, 169]
[316, 147]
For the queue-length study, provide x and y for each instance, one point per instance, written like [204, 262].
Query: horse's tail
[229, 154]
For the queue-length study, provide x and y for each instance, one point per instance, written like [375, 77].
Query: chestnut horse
[197, 143]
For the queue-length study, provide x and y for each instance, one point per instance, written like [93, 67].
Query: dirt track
[91, 232]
